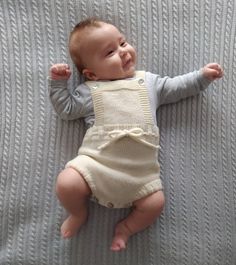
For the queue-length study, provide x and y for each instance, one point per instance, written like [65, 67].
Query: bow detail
[135, 133]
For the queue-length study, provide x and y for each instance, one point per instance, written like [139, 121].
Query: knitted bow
[135, 133]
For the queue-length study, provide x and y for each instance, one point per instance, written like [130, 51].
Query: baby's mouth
[127, 63]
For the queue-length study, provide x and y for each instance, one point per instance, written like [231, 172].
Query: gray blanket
[198, 135]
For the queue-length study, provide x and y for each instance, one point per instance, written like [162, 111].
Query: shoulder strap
[140, 74]
[91, 84]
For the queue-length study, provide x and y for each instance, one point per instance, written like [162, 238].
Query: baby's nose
[123, 52]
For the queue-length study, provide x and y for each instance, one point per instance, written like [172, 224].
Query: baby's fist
[212, 71]
[60, 72]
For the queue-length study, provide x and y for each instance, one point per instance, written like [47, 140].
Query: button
[110, 205]
[141, 81]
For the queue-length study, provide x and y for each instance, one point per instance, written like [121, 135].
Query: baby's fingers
[216, 67]
[213, 71]
[213, 66]
[60, 69]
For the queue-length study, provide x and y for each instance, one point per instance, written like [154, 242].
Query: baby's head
[101, 52]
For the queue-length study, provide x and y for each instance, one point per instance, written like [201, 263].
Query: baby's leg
[145, 212]
[73, 193]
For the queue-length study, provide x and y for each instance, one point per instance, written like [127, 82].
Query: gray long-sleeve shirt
[78, 103]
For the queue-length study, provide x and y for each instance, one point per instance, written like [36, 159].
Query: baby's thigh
[152, 202]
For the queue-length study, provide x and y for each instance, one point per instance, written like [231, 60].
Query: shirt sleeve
[170, 90]
[70, 105]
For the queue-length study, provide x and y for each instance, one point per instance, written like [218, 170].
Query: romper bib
[119, 154]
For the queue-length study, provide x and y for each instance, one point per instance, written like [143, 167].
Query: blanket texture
[198, 135]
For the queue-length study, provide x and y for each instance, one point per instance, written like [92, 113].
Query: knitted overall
[118, 157]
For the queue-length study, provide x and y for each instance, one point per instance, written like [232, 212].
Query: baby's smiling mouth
[127, 63]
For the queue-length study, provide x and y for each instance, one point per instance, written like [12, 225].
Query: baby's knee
[65, 181]
[70, 180]
[153, 203]
[160, 200]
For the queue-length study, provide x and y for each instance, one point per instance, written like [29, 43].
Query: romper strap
[140, 74]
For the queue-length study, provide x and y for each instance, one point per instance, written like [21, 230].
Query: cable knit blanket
[198, 135]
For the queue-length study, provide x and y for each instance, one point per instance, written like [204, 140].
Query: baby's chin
[126, 73]
[130, 73]
[121, 75]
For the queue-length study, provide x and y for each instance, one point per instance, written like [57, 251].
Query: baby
[117, 163]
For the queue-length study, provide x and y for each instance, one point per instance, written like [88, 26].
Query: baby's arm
[170, 90]
[68, 105]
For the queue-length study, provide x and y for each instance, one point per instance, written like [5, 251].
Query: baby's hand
[212, 71]
[60, 72]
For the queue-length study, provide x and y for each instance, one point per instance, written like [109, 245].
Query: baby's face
[106, 54]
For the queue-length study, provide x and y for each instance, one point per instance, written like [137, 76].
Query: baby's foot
[72, 225]
[121, 237]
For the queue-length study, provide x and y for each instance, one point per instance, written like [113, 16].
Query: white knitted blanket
[198, 135]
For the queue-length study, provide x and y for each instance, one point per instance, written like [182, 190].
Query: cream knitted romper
[118, 157]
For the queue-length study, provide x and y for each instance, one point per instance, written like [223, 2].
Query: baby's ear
[89, 74]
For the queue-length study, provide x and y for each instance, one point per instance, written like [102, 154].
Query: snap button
[110, 205]
[141, 81]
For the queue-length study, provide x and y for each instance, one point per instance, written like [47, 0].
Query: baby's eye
[109, 53]
[123, 43]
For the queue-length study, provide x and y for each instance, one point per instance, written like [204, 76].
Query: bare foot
[72, 225]
[122, 234]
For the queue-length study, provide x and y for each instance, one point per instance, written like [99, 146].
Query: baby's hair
[89, 22]
[74, 47]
